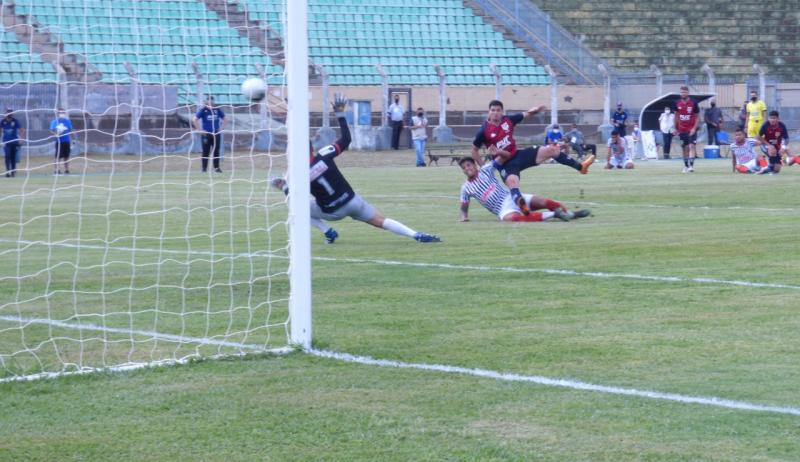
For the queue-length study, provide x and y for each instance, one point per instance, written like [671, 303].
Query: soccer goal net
[142, 253]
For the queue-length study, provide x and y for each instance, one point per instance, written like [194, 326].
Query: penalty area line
[366, 360]
[561, 383]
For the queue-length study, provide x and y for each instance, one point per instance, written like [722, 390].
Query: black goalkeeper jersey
[328, 186]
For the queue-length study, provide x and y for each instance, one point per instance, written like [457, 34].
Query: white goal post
[137, 257]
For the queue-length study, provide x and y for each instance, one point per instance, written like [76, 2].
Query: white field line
[365, 360]
[456, 199]
[506, 269]
[132, 332]
[562, 383]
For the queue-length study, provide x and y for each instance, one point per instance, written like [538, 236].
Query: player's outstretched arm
[476, 156]
[464, 211]
[339, 104]
[534, 110]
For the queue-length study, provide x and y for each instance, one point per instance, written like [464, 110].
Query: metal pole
[263, 106]
[659, 79]
[385, 96]
[297, 156]
[498, 82]
[136, 104]
[442, 96]
[326, 112]
[712, 82]
[63, 88]
[553, 94]
[606, 93]
[762, 82]
[199, 77]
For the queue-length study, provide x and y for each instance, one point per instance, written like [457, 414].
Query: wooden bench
[454, 153]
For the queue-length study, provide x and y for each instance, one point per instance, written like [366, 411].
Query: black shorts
[62, 149]
[524, 158]
[688, 139]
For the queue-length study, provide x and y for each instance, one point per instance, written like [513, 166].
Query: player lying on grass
[497, 134]
[334, 198]
[775, 137]
[744, 157]
[484, 187]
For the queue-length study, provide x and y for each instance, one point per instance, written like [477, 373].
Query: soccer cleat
[583, 213]
[562, 214]
[278, 183]
[685, 169]
[217, 170]
[691, 169]
[523, 206]
[331, 235]
[422, 237]
[586, 163]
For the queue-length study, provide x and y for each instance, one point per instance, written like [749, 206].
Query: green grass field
[642, 295]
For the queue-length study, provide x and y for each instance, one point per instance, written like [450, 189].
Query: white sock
[320, 225]
[547, 215]
[398, 228]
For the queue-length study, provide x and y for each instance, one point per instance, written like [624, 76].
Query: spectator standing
[419, 133]
[209, 120]
[396, 112]
[666, 123]
[13, 132]
[61, 127]
[743, 116]
[578, 142]
[756, 115]
[619, 119]
[638, 147]
[713, 119]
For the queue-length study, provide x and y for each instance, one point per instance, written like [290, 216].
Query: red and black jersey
[501, 135]
[776, 135]
[686, 114]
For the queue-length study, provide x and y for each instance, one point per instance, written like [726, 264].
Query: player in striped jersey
[744, 157]
[482, 185]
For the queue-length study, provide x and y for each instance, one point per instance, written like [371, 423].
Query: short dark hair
[496, 102]
[614, 132]
[464, 160]
[739, 129]
[774, 113]
[684, 87]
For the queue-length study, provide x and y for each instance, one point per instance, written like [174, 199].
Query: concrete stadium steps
[730, 36]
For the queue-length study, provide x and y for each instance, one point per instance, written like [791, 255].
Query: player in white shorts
[482, 185]
[618, 152]
[743, 153]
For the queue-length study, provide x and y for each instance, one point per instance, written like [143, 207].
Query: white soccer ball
[254, 89]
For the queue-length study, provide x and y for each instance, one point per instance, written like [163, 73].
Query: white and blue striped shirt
[486, 189]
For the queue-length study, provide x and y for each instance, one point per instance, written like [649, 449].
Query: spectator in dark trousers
[13, 132]
[713, 119]
[61, 127]
[743, 116]
[209, 120]
[578, 142]
[666, 121]
[396, 112]
[619, 119]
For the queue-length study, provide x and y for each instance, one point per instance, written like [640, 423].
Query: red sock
[762, 162]
[533, 216]
[742, 169]
[552, 205]
[796, 159]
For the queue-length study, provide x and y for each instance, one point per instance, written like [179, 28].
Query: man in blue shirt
[209, 120]
[13, 131]
[618, 120]
[61, 127]
[554, 135]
